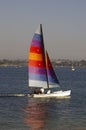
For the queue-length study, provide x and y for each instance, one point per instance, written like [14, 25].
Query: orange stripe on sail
[34, 56]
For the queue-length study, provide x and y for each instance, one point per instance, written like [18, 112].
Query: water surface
[24, 113]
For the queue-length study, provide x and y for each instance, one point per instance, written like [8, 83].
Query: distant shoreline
[56, 63]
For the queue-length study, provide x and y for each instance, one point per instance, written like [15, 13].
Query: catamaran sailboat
[41, 74]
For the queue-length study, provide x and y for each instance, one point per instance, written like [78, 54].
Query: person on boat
[38, 91]
[42, 90]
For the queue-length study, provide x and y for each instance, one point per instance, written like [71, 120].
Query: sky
[64, 27]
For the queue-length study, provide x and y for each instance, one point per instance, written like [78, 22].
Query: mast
[44, 55]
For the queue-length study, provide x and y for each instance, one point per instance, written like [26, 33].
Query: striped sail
[36, 62]
[52, 78]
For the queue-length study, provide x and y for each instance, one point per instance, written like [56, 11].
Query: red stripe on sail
[48, 63]
[34, 49]
[39, 64]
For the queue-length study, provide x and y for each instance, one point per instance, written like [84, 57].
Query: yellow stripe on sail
[34, 56]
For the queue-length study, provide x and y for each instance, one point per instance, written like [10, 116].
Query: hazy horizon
[64, 28]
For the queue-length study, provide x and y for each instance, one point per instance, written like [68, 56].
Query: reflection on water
[36, 114]
[47, 114]
[50, 114]
[53, 114]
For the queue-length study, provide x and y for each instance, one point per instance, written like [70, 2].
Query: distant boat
[41, 75]
[72, 68]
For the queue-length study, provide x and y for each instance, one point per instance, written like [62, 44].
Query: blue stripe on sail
[38, 77]
[52, 80]
[37, 37]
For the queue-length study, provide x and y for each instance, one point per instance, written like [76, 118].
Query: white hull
[57, 94]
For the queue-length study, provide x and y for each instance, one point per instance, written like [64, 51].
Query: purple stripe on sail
[36, 43]
[37, 77]
[50, 72]
[37, 37]
[52, 80]
[37, 70]
[52, 76]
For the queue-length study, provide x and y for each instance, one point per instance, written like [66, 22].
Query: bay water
[25, 113]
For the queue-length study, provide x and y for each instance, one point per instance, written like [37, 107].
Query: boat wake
[14, 95]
